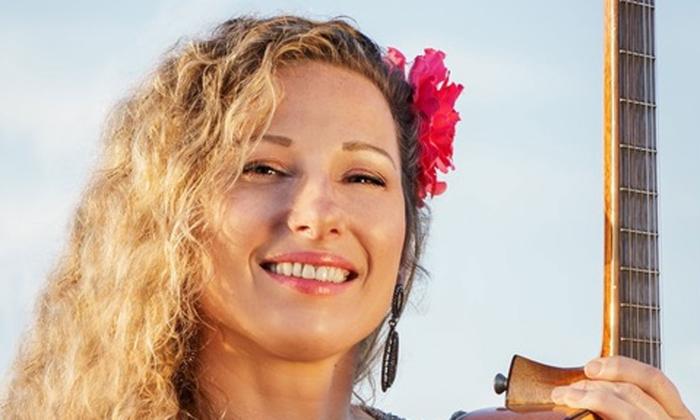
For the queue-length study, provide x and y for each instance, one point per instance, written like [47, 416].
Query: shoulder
[378, 414]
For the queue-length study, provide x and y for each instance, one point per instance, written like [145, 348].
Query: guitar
[631, 319]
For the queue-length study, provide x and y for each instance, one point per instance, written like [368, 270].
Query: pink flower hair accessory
[433, 99]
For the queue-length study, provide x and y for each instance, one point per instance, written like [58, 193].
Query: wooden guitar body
[557, 413]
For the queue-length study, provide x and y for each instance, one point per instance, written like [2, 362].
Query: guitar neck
[631, 251]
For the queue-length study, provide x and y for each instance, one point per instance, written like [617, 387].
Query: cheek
[223, 291]
[390, 237]
[248, 212]
[243, 225]
[383, 225]
[384, 243]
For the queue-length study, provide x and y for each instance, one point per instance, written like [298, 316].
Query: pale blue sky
[516, 246]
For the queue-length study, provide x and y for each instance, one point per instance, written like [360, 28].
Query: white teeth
[308, 271]
[286, 268]
[322, 273]
[296, 270]
[338, 274]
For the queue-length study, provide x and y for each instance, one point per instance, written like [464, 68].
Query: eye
[366, 179]
[261, 169]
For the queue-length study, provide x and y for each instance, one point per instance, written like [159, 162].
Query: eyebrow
[281, 140]
[349, 145]
[359, 145]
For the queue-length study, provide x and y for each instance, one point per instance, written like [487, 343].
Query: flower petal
[395, 59]
[434, 98]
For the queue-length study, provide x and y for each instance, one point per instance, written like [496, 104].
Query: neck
[252, 383]
[632, 307]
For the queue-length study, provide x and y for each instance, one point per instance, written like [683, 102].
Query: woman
[254, 224]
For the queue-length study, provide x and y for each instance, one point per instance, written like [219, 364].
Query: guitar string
[647, 172]
[629, 347]
[650, 176]
[633, 239]
[657, 201]
[653, 243]
[623, 114]
[650, 184]
[645, 253]
[640, 180]
[628, 116]
[654, 206]
[627, 111]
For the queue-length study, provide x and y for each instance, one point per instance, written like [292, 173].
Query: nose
[315, 212]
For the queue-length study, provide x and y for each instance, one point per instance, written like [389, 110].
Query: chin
[308, 350]
[313, 342]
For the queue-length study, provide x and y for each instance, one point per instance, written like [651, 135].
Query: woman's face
[308, 252]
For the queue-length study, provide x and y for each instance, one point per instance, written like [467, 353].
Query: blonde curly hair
[117, 325]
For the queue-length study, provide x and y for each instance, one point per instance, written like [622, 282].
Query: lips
[309, 271]
[315, 266]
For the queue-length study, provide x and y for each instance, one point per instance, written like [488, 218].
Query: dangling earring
[391, 348]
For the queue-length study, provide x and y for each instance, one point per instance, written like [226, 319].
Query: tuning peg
[500, 384]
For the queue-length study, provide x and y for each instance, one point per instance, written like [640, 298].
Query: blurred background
[515, 249]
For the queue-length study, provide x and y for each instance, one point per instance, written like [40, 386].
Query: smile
[309, 271]
[322, 268]
[310, 279]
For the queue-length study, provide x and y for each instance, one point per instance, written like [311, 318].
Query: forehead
[333, 103]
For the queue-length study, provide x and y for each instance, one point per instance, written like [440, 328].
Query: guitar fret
[640, 340]
[638, 103]
[640, 192]
[637, 148]
[640, 306]
[639, 270]
[637, 54]
[639, 232]
[637, 3]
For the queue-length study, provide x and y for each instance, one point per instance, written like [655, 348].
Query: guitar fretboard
[639, 303]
